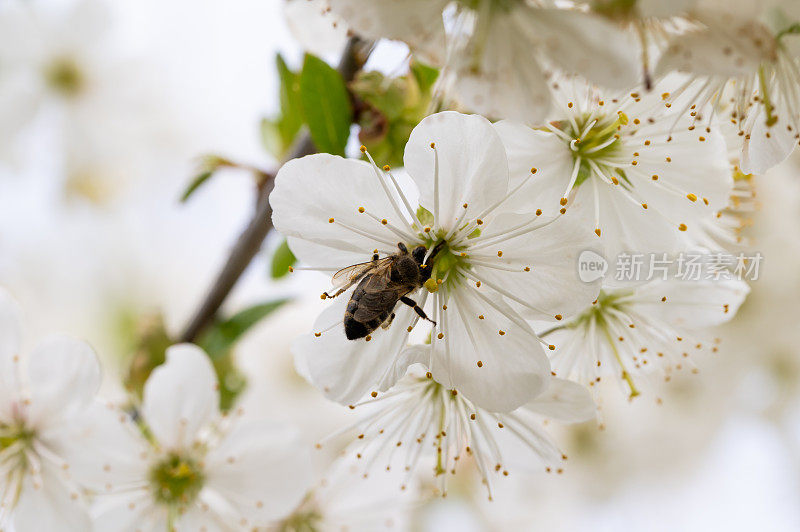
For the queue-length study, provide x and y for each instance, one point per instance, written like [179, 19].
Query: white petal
[64, 376]
[508, 81]
[584, 44]
[696, 167]
[418, 22]
[346, 370]
[528, 148]
[181, 396]
[728, 46]
[551, 286]
[315, 27]
[129, 511]
[693, 305]
[261, 469]
[626, 227]
[311, 191]
[769, 146]
[513, 361]
[10, 339]
[472, 167]
[50, 506]
[564, 401]
[104, 448]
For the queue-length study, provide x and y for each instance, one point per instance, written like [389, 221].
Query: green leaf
[196, 183]
[222, 336]
[282, 260]
[425, 75]
[326, 105]
[279, 133]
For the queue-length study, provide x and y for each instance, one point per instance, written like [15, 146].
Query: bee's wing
[353, 273]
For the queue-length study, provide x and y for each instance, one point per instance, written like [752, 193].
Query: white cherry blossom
[497, 54]
[348, 499]
[191, 468]
[632, 173]
[635, 331]
[743, 63]
[490, 264]
[422, 420]
[45, 426]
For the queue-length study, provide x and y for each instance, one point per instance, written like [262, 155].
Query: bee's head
[420, 252]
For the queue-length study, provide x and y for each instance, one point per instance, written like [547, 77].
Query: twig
[249, 242]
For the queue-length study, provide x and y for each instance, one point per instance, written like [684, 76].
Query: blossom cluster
[473, 301]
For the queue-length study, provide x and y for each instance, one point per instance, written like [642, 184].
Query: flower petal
[528, 148]
[495, 361]
[765, 147]
[508, 81]
[315, 27]
[564, 401]
[64, 376]
[727, 46]
[181, 396]
[584, 44]
[261, 469]
[10, 339]
[129, 511]
[550, 285]
[472, 165]
[311, 191]
[50, 506]
[417, 22]
[692, 304]
[346, 370]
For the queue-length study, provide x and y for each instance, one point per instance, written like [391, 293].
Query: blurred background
[106, 112]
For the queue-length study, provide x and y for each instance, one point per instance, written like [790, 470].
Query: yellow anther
[691, 197]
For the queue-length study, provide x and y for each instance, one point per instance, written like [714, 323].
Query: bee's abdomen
[355, 329]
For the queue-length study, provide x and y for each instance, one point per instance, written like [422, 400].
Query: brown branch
[249, 242]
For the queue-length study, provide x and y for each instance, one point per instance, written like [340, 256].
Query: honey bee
[381, 284]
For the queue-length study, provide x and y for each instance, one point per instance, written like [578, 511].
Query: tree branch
[249, 242]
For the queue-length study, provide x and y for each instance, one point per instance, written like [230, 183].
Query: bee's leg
[326, 295]
[413, 304]
[375, 257]
[388, 322]
[402, 247]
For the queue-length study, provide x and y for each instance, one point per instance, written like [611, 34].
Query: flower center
[177, 480]
[65, 76]
[594, 140]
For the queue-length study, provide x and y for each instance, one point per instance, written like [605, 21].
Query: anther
[480, 364]
[538, 212]
[682, 227]
[559, 317]
[691, 197]
[386, 168]
[330, 220]
[363, 149]
[361, 210]
[597, 231]
[563, 201]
